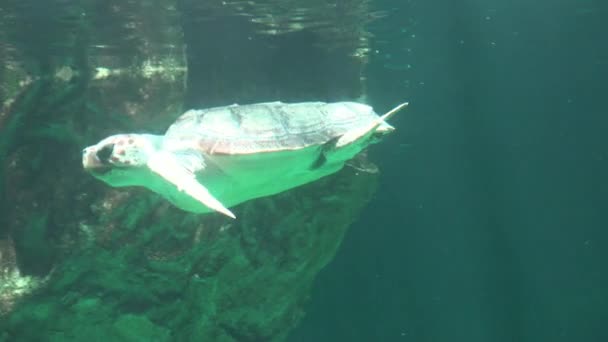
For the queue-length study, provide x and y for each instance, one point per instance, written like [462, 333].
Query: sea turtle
[213, 159]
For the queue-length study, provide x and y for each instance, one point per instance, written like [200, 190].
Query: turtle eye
[105, 153]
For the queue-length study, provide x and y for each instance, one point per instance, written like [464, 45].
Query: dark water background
[490, 221]
[490, 224]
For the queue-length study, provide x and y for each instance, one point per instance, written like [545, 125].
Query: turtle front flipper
[173, 171]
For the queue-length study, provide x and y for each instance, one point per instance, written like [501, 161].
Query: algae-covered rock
[81, 261]
[190, 277]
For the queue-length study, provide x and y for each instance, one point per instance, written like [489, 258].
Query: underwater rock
[78, 259]
[146, 266]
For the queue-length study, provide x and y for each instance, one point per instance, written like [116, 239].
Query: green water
[490, 222]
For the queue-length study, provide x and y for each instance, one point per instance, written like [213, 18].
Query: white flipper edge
[353, 135]
[392, 112]
[166, 166]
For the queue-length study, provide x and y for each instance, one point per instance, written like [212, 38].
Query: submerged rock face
[79, 259]
[143, 267]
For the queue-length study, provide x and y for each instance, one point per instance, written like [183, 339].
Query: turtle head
[119, 159]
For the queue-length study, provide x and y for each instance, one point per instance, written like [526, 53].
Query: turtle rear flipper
[374, 126]
[169, 167]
